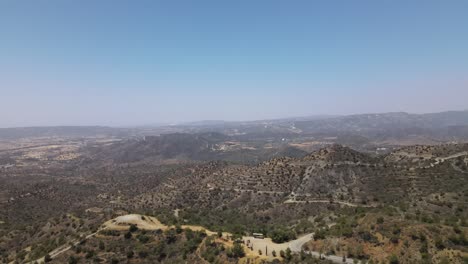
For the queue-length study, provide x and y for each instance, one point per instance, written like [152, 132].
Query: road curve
[296, 246]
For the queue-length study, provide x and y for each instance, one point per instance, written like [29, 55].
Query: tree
[178, 229]
[282, 253]
[133, 228]
[142, 254]
[287, 254]
[273, 253]
[319, 234]
[47, 258]
[303, 255]
[394, 260]
[439, 244]
[128, 235]
[72, 260]
[237, 251]
[280, 235]
[359, 251]
[171, 236]
[89, 254]
[143, 238]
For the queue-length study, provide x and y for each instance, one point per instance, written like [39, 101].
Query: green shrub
[47, 258]
[72, 260]
[133, 228]
[394, 260]
[237, 251]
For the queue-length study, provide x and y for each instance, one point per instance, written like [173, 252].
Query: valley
[130, 197]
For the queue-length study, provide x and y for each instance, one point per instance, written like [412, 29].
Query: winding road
[256, 243]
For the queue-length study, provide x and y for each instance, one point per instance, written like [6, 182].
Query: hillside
[337, 173]
[328, 183]
[190, 147]
[335, 192]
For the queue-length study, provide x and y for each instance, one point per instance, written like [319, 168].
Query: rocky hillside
[177, 147]
[335, 173]
[410, 202]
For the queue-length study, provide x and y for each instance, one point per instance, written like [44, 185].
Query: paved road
[296, 246]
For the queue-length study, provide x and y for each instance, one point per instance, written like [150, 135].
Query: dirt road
[63, 248]
[266, 245]
[328, 201]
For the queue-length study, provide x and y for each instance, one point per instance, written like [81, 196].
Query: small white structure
[258, 235]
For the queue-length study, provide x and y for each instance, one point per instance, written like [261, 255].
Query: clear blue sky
[117, 63]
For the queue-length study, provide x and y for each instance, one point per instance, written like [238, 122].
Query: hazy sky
[91, 62]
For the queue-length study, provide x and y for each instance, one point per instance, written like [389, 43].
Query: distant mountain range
[443, 126]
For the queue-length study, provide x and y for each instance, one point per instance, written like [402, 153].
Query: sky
[125, 63]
